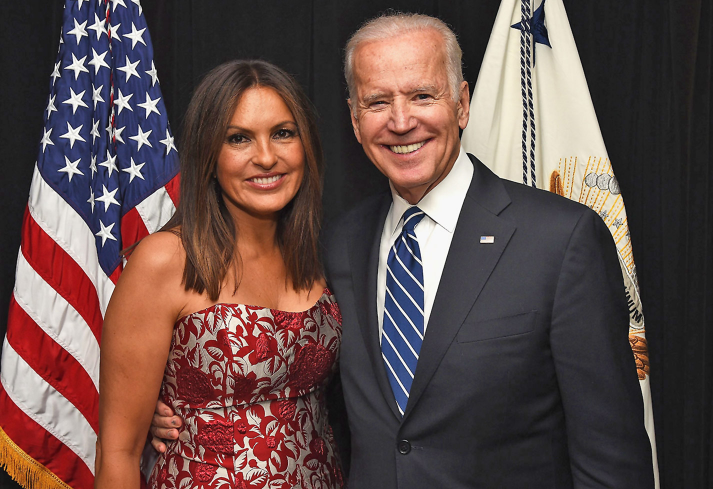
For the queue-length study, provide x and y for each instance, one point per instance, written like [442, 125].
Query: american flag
[106, 176]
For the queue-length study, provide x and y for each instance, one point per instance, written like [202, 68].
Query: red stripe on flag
[173, 188]
[53, 363]
[34, 440]
[115, 274]
[61, 272]
[132, 228]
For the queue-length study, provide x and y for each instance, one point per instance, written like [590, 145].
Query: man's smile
[409, 148]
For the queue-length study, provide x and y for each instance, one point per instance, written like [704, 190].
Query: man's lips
[407, 148]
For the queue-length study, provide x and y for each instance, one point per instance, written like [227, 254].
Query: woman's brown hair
[202, 221]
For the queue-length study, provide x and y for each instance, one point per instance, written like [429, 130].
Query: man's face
[405, 115]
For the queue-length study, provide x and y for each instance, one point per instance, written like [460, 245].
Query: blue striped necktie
[402, 332]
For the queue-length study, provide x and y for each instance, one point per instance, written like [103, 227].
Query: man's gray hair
[396, 24]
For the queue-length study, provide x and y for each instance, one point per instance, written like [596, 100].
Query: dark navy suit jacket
[525, 379]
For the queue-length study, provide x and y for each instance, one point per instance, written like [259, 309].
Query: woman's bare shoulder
[158, 258]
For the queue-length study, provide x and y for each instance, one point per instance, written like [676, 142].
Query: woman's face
[261, 163]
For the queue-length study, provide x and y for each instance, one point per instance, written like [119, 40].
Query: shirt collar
[438, 204]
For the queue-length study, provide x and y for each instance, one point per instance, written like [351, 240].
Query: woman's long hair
[202, 221]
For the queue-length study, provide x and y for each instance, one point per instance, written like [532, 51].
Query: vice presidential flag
[105, 176]
[535, 124]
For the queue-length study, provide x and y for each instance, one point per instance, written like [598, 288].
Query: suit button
[404, 447]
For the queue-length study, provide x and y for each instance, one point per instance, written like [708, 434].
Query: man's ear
[463, 105]
[355, 121]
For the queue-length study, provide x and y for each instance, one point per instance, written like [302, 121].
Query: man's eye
[423, 96]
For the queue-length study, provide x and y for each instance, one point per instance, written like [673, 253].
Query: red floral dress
[249, 384]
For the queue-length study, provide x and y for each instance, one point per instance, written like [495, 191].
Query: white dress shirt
[442, 206]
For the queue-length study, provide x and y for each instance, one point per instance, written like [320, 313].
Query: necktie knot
[412, 217]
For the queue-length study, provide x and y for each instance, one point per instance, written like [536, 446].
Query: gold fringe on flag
[25, 470]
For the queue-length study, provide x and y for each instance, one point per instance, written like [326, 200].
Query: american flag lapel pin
[487, 239]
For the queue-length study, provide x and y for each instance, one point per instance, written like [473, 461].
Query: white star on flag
[130, 68]
[95, 131]
[98, 60]
[153, 74]
[136, 35]
[50, 106]
[55, 73]
[75, 100]
[117, 2]
[96, 95]
[91, 199]
[107, 197]
[123, 102]
[46, 139]
[98, 26]
[79, 30]
[73, 134]
[93, 168]
[114, 31]
[77, 66]
[168, 142]
[134, 170]
[105, 232]
[109, 163]
[142, 138]
[117, 134]
[150, 105]
[70, 168]
[138, 3]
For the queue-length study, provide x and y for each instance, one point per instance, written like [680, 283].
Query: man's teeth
[407, 149]
[267, 180]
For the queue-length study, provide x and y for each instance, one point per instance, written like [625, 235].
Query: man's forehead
[412, 62]
[426, 42]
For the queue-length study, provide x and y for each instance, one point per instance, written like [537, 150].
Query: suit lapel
[467, 269]
[364, 263]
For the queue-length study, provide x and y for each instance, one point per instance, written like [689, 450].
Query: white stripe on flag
[156, 209]
[57, 317]
[46, 406]
[62, 223]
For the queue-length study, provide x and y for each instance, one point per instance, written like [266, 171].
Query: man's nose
[401, 120]
[265, 155]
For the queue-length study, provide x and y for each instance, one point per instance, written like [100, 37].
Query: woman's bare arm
[135, 344]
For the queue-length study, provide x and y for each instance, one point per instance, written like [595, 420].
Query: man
[484, 322]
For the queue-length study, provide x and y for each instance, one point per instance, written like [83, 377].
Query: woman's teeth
[410, 148]
[266, 180]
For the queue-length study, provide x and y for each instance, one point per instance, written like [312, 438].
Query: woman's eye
[237, 139]
[284, 134]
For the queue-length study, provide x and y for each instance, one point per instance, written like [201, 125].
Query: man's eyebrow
[372, 97]
[420, 89]
[423, 88]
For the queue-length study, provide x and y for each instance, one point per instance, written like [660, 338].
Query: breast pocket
[502, 327]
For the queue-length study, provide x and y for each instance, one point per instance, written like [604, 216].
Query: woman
[246, 379]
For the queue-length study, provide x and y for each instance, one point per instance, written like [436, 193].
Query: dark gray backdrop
[648, 64]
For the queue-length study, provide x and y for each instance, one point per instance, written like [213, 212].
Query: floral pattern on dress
[249, 384]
